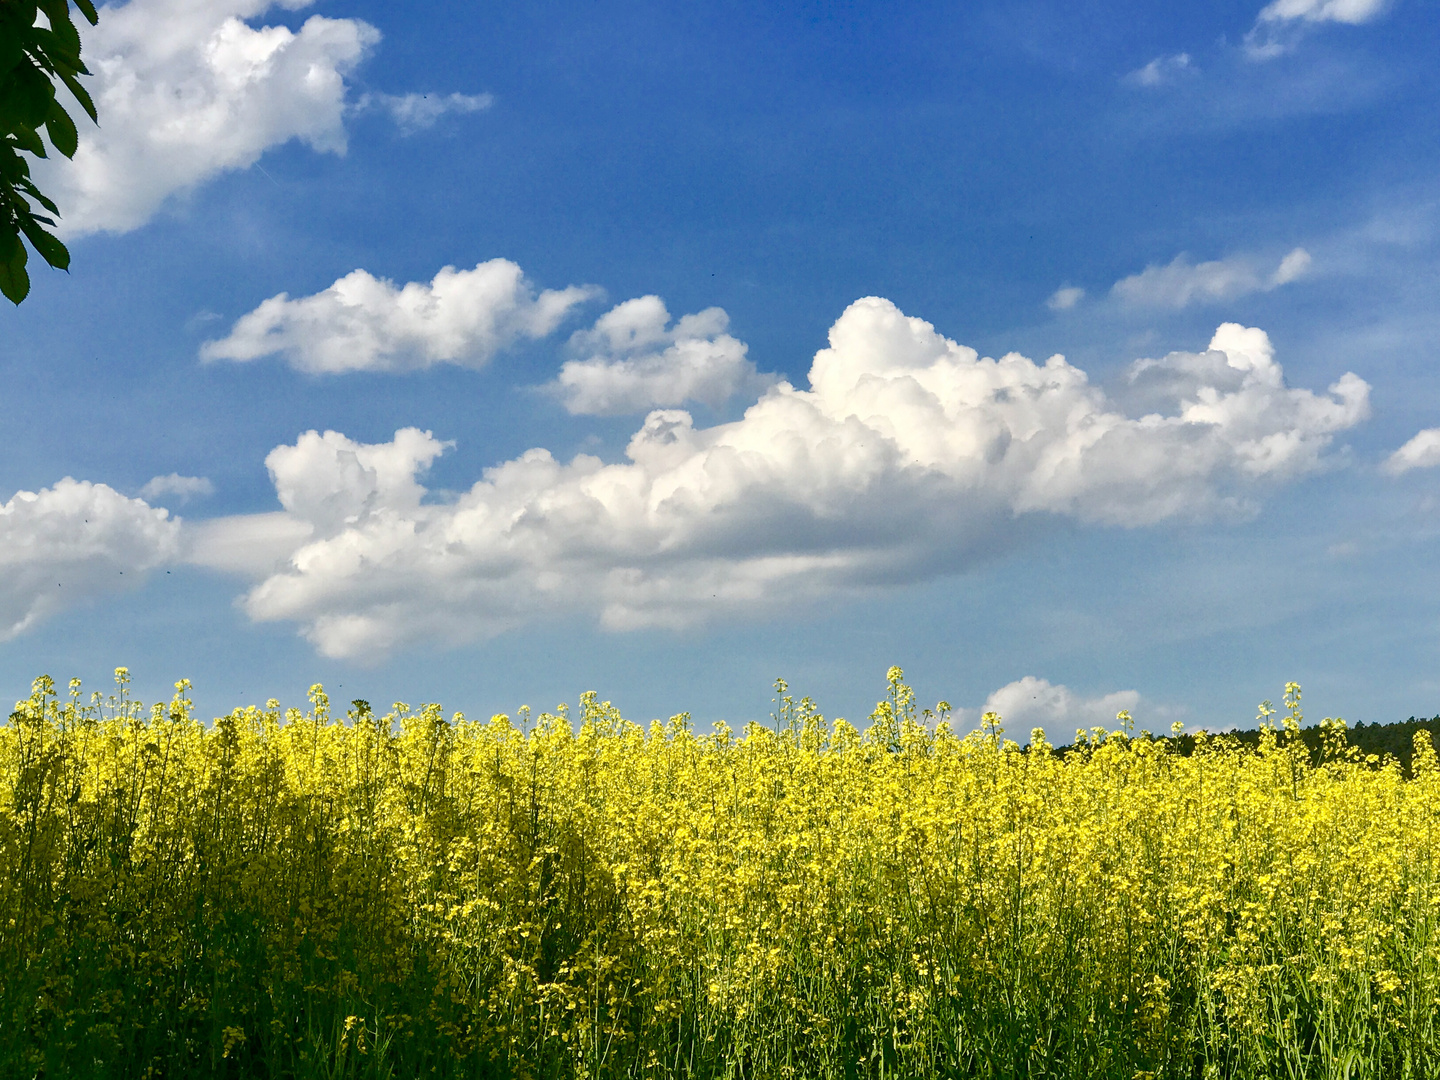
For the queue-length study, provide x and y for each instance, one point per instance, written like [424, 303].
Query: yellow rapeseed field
[284, 894]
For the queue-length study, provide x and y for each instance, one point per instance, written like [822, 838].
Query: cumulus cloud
[1065, 298]
[1161, 71]
[1181, 283]
[1033, 702]
[332, 483]
[187, 89]
[909, 456]
[365, 323]
[69, 543]
[1421, 452]
[182, 488]
[634, 359]
[416, 112]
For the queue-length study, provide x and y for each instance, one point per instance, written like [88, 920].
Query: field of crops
[300, 894]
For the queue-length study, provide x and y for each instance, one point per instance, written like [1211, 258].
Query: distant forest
[1397, 740]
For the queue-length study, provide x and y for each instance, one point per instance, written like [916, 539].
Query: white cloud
[332, 483]
[416, 112]
[634, 360]
[909, 456]
[364, 323]
[187, 89]
[1162, 70]
[254, 545]
[1421, 452]
[180, 487]
[1294, 266]
[1065, 298]
[1353, 12]
[1033, 702]
[1281, 24]
[66, 544]
[1182, 283]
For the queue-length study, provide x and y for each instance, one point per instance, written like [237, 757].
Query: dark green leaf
[30, 94]
[13, 167]
[27, 185]
[15, 20]
[80, 95]
[62, 130]
[36, 55]
[50, 249]
[14, 281]
[62, 27]
[41, 219]
[46, 47]
[27, 140]
[12, 51]
[56, 57]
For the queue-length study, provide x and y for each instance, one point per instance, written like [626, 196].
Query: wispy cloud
[1226, 88]
[1181, 283]
[1421, 452]
[416, 112]
[181, 488]
[1280, 25]
[1065, 298]
[1293, 267]
[1353, 12]
[1162, 70]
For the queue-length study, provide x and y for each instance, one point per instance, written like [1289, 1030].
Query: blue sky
[260, 336]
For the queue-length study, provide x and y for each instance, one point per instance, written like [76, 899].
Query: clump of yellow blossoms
[295, 895]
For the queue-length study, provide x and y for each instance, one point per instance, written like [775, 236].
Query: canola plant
[302, 895]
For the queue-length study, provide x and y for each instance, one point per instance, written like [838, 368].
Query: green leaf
[51, 250]
[62, 130]
[34, 61]
[28, 187]
[15, 20]
[63, 28]
[80, 95]
[14, 281]
[11, 51]
[27, 140]
[54, 58]
[48, 222]
[47, 47]
[30, 94]
[13, 167]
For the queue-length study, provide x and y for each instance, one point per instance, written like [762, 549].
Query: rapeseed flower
[300, 894]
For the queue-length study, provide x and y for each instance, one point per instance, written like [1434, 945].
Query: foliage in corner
[35, 55]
